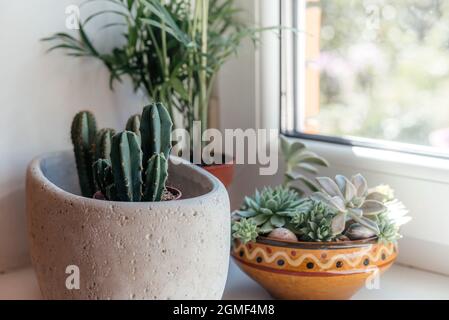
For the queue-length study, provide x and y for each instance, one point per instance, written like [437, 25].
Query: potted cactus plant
[129, 166]
[324, 245]
[113, 209]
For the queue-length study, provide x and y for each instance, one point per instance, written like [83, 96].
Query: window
[367, 72]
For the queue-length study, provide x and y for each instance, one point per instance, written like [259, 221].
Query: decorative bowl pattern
[308, 270]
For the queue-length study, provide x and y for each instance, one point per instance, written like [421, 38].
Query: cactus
[133, 124]
[103, 144]
[155, 127]
[129, 166]
[83, 134]
[126, 160]
[104, 178]
[156, 177]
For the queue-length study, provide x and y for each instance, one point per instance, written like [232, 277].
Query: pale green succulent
[388, 230]
[314, 221]
[393, 218]
[350, 199]
[299, 161]
[245, 230]
[271, 208]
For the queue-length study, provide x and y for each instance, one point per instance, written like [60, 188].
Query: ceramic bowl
[313, 270]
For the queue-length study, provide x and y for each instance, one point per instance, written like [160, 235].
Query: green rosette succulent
[245, 230]
[313, 222]
[388, 230]
[270, 208]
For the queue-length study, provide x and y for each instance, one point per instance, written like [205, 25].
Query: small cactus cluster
[130, 166]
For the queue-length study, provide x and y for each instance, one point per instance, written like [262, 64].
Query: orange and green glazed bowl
[313, 270]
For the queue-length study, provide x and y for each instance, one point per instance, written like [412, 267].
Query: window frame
[420, 176]
[299, 85]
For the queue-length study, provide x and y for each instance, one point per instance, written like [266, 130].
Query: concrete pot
[163, 250]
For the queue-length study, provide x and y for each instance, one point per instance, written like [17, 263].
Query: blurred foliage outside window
[380, 70]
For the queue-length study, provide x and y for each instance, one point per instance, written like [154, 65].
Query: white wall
[240, 99]
[39, 94]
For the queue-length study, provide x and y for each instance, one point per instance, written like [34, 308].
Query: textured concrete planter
[164, 250]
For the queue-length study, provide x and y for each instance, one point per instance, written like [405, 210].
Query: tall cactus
[156, 177]
[130, 166]
[83, 134]
[126, 160]
[155, 127]
[103, 144]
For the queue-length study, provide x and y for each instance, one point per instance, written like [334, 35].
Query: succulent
[313, 222]
[390, 221]
[83, 134]
[128, 167]
[245, 230]
[298, 161]
[388, 230]
[271, 208]
[349, 199]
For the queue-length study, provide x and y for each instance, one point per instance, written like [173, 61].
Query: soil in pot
[169, 194]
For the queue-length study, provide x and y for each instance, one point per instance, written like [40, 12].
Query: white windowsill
[398, 283]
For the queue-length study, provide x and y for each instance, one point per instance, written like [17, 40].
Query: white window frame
[421, 181]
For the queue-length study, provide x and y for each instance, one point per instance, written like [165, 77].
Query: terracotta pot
[224, 172]
[175, 249]
[311, 270]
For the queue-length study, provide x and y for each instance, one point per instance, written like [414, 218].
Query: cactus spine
[83, 134]
[156, 126]
[126, 160]
[156, 177]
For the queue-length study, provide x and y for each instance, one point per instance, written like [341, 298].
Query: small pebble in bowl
[283, 234]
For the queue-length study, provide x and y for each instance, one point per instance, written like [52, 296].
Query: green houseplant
[127, 221]
[172, 50]
[128, 166]
[320, 244]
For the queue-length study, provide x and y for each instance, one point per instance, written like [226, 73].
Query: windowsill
[397, 283]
